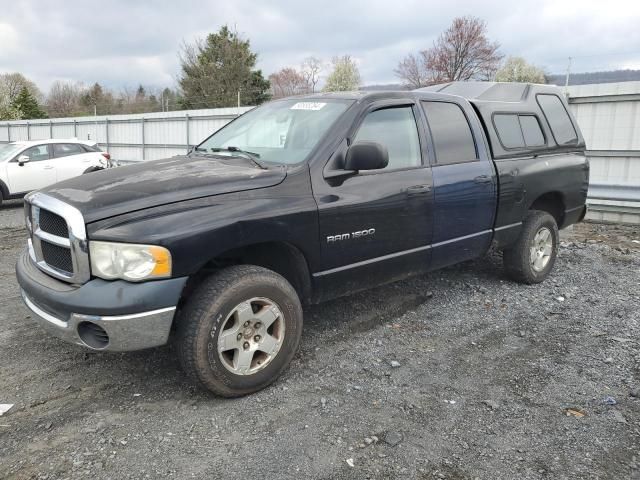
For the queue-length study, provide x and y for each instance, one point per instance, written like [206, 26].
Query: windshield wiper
[250, 155]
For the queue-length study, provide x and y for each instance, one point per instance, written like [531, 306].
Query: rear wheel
[531, 258]
[239, 330]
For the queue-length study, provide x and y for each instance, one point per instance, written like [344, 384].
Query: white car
[27, 166]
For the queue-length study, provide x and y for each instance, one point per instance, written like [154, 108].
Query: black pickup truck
[298, 201]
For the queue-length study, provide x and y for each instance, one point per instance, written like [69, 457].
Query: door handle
[418, 189]
[482, 179]
[48, 167]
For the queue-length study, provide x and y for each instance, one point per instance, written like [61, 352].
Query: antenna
[566, 80]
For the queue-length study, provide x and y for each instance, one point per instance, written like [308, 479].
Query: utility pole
[238, 112]
[95, 118]
[566, 80]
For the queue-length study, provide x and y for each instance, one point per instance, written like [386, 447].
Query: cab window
[396, 129]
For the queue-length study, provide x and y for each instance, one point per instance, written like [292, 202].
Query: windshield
[280, 132]
[8, 150]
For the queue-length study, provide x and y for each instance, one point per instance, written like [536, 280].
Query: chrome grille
[56, 256]
[53, 224]
[58, 242]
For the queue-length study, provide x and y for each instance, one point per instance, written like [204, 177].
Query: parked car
[30, 165]
[299, 201]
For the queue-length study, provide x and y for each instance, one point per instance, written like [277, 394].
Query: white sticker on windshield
[308, 106]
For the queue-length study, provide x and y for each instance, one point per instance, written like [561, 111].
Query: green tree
[27, 104]
[215, 69]
[100, 99]
[141, 94]
[11, 85]
[9, 112]
[175, 100]
[344, 77]
[516, 69]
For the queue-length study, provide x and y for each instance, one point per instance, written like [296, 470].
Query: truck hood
[115, 191]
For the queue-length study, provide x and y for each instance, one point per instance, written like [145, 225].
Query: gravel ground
[457, 374]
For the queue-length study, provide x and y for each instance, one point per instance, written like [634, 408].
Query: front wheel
[532, 257]
[239, 330]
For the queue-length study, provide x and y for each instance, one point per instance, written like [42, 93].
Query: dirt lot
[492, 380]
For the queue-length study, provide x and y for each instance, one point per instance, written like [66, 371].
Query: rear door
[71, 160]
[38, 172]
[464, 183]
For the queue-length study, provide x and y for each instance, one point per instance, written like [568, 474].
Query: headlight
[129, 261]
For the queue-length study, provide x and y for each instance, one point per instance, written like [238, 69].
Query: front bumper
[101, 315]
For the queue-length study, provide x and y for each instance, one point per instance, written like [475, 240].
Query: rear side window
[396, 129]
[558, 118]
[66, 149]
[509, 131]
[89, 148]
[518, 130]
[452, 137]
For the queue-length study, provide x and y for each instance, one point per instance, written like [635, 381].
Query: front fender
[199, 230]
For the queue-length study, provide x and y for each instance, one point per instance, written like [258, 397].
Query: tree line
[220, 71]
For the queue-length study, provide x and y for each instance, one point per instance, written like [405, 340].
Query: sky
[122, 43]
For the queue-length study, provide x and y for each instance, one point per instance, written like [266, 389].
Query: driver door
[38, 172]
[376, 225]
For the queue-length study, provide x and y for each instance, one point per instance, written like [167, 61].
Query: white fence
[609, 118]
[129, 137]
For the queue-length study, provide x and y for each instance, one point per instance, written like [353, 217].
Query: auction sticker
[308, 106]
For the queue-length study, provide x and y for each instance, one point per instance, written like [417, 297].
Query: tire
[220, 304]
[1, 198]
[526, 265]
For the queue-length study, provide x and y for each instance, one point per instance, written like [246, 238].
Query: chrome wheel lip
[247, 337]
[541, 249]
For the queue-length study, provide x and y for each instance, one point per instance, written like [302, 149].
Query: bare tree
[462, 52]
[11, 85]
[311, 68]
[412, 72]
[63, 99]
[287, 82]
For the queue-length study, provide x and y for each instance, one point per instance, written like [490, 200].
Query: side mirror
[22, 159]
[366, 156]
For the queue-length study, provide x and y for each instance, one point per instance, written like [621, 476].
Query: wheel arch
[4, 189]
[281, 257]
[553, 203]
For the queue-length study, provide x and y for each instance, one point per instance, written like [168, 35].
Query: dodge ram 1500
[298, 201]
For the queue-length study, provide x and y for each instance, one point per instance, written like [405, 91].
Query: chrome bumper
[113, 333]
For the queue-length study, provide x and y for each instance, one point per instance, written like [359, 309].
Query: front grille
[57, 256]
[53, 224]
[58, 243]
